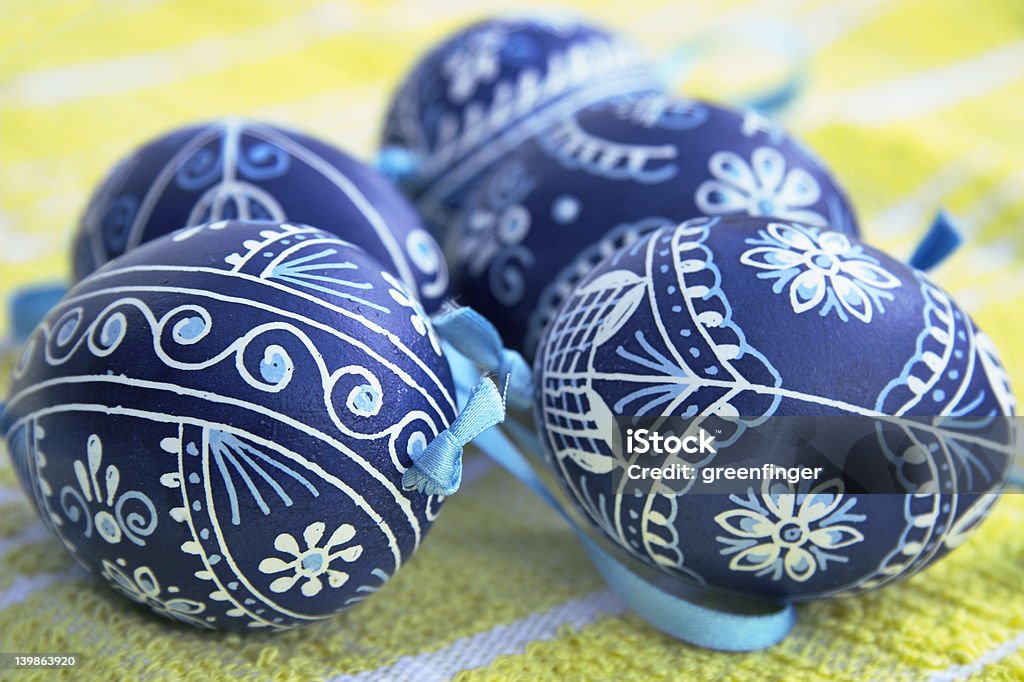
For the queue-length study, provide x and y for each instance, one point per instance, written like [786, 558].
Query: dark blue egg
[240, 169]
[489, 87]
[748, 321]
[217, 423]
[601, 178]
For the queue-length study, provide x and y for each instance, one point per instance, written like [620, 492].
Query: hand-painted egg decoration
[491, 86]
[600, 179]
[217, 423]
[756, 319]
[241, 169]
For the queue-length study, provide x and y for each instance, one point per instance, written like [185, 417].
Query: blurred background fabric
[914, 104]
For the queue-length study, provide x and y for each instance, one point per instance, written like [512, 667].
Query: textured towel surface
[912, 103]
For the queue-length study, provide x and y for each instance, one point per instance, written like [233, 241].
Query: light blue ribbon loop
[437, 469]
[396, 164]
[472, 335]
[714, 623]
[713, 628]
[773, 37]
[941, 240]
[30, 304]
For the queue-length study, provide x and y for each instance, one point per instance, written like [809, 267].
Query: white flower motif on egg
[497, 222]
[144, 588]
[764, 187]
[754, 122]
[474, 63]
[781, 531]
[100, 487]
[490, 87]
[683, 324]
[821, 268]
[286, 378]
[579, 189]
[313, 563]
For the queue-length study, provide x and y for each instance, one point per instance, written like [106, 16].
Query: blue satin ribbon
[941, 240]
[774, 37]
[396, 164]
[715, 623]
[28, 306]
[472, 335]
[437, 468]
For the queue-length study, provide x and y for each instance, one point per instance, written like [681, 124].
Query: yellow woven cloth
[913, 103]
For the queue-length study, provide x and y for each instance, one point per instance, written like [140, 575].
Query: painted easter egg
[217, 423]
[489, 87]
[748, 321]
[600, 179]
[240, 169]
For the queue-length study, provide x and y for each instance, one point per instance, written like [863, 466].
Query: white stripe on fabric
[483, 648]
[916, 95]
[962, 672]
[25, 586]
[34, 532]
[64, 84]
[10, 495]
[912, 213]
[834, 20]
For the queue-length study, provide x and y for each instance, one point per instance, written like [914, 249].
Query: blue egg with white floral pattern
[243, 169]
[738, 323]
[491, 86]
[217, 422]
[608, 174]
